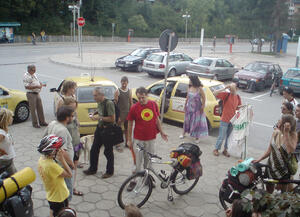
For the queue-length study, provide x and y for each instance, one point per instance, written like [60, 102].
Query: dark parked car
[134, 60]
[216, 68]
[257, 75]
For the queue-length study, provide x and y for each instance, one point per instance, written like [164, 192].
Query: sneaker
[225, 153]
[106, 175]
[181, 136]
[131, 186]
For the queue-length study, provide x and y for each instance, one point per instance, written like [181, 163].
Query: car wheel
[261, 87]
[22, 112]
[172, 73]
[139, 68]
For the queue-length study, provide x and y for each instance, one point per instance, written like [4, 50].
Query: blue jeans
[224, 132]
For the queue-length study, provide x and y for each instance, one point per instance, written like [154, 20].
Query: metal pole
[81, 44]
[79, 52]
[201, 41]
[74, 23]
[71, 31]
[186, 28]
[298, 53]
[166, 76]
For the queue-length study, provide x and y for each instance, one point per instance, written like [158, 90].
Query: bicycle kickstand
[170, 194]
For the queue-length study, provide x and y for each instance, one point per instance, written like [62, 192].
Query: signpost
[81, 23]
[201, 41]
[168, 41]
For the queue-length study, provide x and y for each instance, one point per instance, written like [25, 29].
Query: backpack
[117, 111]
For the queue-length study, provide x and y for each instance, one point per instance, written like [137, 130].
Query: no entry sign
[80, 21]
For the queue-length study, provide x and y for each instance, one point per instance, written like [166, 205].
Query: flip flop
[77, 193]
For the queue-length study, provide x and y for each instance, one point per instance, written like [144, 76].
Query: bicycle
[144, 181]
[231, 190]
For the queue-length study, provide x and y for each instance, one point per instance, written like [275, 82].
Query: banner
[240, 130]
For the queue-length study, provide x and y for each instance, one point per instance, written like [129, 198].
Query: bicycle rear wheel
[181, 184]
[136, 194]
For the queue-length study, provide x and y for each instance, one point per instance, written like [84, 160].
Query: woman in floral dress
[195, 120]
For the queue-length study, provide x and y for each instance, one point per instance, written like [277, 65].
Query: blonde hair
[68, 85]
[5, 118]
[132, 211]
[69, 100]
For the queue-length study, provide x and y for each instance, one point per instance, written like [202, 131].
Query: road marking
[260, 95]
[261, 124]
[258, 100]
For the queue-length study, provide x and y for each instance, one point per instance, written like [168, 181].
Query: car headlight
[129, 63]
[255, 80]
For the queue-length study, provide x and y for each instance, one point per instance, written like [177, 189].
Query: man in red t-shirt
[145, 113]
[231, 102]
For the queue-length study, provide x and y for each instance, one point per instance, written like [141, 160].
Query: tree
[138, 23]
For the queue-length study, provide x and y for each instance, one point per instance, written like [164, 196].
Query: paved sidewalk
[102, 60]
[100, 196]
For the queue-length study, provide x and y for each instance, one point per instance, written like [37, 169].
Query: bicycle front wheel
[135, 190]
[181, 184]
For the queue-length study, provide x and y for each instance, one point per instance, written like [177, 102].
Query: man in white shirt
[33, 87]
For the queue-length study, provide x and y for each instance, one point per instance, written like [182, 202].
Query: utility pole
[298, 53]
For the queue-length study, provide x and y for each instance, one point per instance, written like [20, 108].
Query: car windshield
[203, 62]
[292, 74]
[257, 67]
[155, 58]
[139, 53]
[85, 94]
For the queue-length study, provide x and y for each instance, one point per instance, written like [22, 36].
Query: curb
[80, 66]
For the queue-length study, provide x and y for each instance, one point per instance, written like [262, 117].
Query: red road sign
[80, 21]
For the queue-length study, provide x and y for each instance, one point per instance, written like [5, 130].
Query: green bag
[292, 165]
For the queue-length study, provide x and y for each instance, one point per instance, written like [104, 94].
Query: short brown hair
[132, 211]
[64, 112]
[68, 85]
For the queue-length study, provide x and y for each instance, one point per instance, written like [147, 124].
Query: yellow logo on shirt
[147, 114]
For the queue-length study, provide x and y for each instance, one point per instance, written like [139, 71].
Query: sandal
[225, 153]
[77, 193]
[216, 152]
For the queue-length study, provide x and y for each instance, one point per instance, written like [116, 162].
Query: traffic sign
[80, 21]
[164, 40]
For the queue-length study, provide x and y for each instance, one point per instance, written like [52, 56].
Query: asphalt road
[15, 58]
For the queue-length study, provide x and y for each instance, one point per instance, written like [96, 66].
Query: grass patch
[265, 53]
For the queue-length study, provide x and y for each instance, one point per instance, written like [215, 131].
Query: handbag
[112, 135]
[292, 165]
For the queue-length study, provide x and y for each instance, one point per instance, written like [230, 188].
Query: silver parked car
[216, 68]
[155, 64]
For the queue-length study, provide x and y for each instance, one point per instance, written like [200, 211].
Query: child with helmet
[52, 174]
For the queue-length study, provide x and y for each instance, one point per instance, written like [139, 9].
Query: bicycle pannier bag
[194, 171]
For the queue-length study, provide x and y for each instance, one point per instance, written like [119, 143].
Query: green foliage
[244, 18]
[273, 205]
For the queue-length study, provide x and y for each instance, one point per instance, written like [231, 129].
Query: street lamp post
[186, 16]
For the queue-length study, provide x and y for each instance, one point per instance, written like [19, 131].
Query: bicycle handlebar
[150, 154]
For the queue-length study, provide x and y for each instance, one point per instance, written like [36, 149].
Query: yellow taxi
[85, 99]
[176, 92]
[16, 101]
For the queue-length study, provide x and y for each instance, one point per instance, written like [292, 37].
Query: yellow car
[16, 101]
[176, 93]
[86, 102]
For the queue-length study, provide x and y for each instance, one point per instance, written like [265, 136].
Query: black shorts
[76, 156]
[56, 207]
